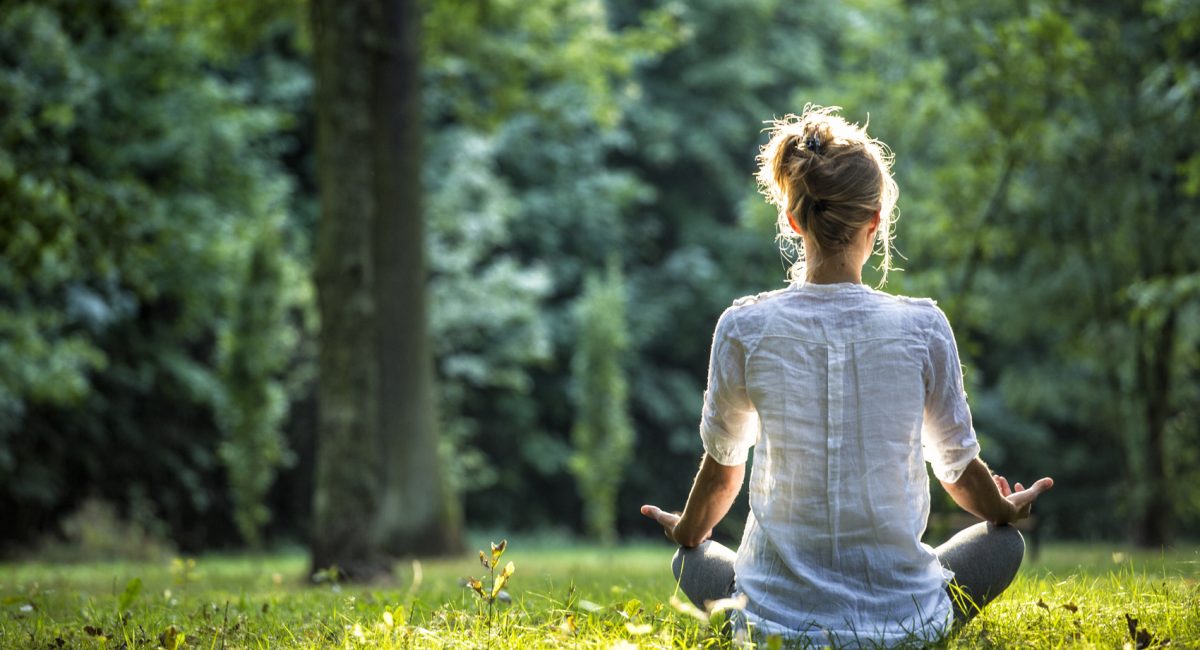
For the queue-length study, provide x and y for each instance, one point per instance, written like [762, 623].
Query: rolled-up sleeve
[947, 435]
[729, 421]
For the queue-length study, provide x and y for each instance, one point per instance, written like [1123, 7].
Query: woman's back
[839, 379]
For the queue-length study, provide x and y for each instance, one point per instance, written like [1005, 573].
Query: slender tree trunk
[1154, 367]
[378, 488]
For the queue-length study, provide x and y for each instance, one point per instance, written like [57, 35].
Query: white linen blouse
[846, 392]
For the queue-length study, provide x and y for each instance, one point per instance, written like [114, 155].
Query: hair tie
[813, 144]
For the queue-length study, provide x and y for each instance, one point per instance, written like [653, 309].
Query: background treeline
[157, 216]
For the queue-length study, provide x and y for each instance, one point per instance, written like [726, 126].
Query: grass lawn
[563, 595]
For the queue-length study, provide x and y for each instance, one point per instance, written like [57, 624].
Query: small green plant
[132, 589]
[172, 638]
[495, 590]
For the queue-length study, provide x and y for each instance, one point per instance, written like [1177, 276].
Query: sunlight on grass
[563, 595]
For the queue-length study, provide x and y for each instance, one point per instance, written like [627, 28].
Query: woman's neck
[834, 269]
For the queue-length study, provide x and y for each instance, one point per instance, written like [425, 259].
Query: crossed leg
[705, 572]
[984, 558]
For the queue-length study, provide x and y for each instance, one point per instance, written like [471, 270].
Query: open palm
[1020, 496]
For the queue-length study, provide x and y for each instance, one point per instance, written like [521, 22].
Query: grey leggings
[984, 559]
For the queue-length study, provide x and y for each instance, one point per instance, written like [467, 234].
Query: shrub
[603, 434]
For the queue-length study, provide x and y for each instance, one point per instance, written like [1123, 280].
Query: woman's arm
[990, 497]
[713, 492]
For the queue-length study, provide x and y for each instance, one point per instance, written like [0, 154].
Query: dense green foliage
[156, 215]
[143, 207]
[603, 435]
[562, 596]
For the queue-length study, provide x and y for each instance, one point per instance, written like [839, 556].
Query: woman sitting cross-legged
[845, 392]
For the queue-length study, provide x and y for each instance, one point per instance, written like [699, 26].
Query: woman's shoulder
[915, 302]
[746, 315]
[757, 298]
[923, 314]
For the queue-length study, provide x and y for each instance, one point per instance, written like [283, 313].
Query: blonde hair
[832, 177]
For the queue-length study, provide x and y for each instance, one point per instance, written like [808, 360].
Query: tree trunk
[378, 487]
[418, 513]
[1154, 367]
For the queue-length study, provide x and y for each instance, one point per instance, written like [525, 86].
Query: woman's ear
[873, 227]
[796, 226]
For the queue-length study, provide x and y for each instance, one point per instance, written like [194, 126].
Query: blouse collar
[832, 287]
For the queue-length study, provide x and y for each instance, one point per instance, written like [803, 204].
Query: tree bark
[379, 490]
[418, 513]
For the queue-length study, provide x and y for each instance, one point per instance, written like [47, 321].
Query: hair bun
[828, 177]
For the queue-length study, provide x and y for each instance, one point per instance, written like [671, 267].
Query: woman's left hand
[666, 519]
[1021, 497]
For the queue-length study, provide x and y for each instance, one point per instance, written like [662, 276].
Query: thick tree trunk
[346, 493]
[418, 513]
[378, 487]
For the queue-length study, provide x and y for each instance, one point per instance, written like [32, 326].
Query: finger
[1020, 487]
[661, 516]
[1002, 485]
[1040, 485]
[1027, 496]
[667, 519]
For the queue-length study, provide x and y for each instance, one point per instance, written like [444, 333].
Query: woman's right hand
[668, 520]
[670, 523]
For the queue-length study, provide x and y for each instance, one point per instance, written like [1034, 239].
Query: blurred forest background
[589, 212]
